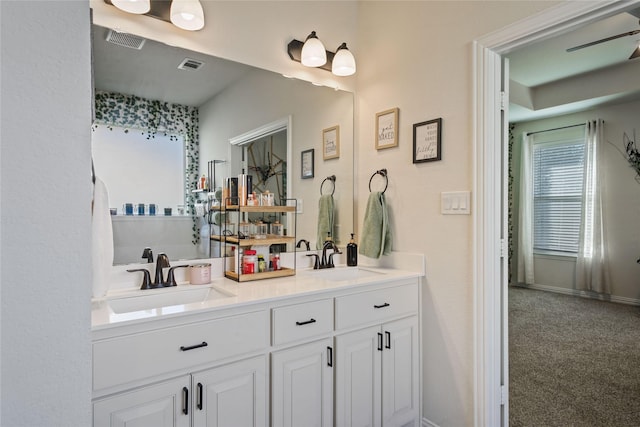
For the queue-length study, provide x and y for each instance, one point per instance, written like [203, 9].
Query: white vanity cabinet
[160, 405]
[347, 355]
[377, 366]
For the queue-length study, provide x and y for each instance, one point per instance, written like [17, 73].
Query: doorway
[490, 219]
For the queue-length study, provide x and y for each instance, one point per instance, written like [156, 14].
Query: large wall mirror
[229, 99]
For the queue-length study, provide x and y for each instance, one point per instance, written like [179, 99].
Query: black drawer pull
[306, 322]
[185, 400]
[200, 396]
[191, 347]
[330, 357]
[386, 304]
[379, 341]
[388, 336]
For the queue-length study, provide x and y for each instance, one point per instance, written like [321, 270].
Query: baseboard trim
[579, 293]
[427, 423]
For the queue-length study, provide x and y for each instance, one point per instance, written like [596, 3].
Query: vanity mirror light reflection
[211, 102]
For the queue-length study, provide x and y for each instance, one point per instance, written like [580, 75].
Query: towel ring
[332, 179]
[383, 173]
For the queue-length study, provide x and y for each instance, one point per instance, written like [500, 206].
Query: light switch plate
[455, 203]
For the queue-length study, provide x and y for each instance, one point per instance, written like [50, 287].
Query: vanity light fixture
[341, 63]
[138, 7]
[313, 52]
[344, 64]
[185, 14]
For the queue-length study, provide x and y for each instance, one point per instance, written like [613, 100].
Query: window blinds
[558, 173]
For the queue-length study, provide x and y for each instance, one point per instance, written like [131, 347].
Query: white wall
[261, 98]
[621, 201]
[417, 56]
[45, 220]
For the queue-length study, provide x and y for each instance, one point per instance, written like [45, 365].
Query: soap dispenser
[352, 253]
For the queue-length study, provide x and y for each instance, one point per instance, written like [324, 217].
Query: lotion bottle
[352, 253]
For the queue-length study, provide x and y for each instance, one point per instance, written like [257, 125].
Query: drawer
[135, 357]
[372, 306]
[301, 321]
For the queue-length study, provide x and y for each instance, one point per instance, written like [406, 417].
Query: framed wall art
[306, 158]
[387, 129]
[331, 143]
[427, 141]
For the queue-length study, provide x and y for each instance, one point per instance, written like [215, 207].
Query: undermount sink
[165, 297]
[340, 274]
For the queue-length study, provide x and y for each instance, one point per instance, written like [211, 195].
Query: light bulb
[133, 6]
[187, 14]
[313, 52]
[344, 64]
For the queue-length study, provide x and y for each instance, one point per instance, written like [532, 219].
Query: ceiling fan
[636, 51]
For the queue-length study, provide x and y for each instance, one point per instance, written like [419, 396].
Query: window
[558, 175]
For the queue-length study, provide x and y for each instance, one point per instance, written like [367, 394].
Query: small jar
[249, 261]
[200, 274]
[244, 229]
[266, 199]
[262, 264]
[276, 228]
[260, 230]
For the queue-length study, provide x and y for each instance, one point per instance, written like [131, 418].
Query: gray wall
[45, 270]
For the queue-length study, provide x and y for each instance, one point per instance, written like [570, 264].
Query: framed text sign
[387, 129]
[331, 143]
[307, 164]
[427, 141]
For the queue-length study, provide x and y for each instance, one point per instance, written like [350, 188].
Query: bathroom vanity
[326, 347]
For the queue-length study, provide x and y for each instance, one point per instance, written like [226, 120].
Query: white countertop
[235, 294]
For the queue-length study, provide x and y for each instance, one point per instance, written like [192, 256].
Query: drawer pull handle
[329, 356]
[306, 322]
[388, 336]
[200, 396]
[379, 341]
[191, 347]
[386, 304]
[185, 400]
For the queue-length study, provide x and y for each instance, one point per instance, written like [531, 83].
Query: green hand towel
[375, 238]
[325, 219]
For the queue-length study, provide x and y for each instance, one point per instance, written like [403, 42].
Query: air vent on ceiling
[125, 40]
[190, 64]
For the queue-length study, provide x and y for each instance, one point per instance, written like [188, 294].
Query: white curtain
[525, 214]
[592, 271]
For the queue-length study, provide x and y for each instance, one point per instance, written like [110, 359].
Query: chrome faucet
[328, 262]
[162, 261]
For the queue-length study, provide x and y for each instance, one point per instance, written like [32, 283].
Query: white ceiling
[153, 73]
[547, 80]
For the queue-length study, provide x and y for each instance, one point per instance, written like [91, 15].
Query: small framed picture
[387, 129]
[307, 164]
[331, 143]
[427, 141]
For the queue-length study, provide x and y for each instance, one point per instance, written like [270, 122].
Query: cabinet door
[162, 405]
[358, 377]
[302, 385]
[231, 395]
[400, 371]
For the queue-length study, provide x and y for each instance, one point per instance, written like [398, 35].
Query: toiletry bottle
[352, 253]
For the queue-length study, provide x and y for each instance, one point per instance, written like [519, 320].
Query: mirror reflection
[200, 108]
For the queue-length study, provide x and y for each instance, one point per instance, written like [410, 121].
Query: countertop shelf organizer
[238, 213]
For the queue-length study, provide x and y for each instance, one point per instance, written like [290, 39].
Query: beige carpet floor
[572, 361]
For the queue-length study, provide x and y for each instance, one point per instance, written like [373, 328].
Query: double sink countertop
[134, 306]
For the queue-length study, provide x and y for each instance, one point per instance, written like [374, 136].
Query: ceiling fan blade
[582, 46]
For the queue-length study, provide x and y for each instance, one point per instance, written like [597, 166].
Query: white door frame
[490, 314]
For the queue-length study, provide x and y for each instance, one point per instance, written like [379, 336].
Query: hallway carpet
[572, 361]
